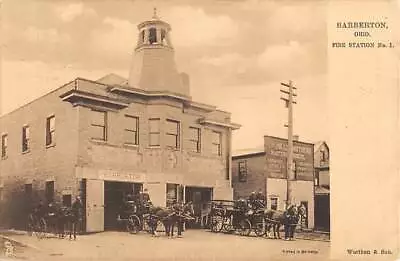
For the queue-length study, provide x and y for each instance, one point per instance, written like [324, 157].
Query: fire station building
[266, 170]
[103, 139]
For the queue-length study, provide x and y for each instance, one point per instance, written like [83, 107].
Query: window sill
[26, 152]
[4, 157]
[173, 149]
[98, 141]
[131, 146]
[154, 147]
[50, 145]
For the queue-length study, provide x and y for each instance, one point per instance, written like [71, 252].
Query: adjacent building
[266, 170]
[322, 186]
[103, 139]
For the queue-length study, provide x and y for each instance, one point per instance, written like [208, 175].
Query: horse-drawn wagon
[137, 217]
[231, 216]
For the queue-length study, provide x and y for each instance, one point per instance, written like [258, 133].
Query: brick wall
[75, 155]
[40, 163]
[255, 176]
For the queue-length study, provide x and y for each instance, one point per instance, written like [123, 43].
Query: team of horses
[289, 218]
[170, 217]
[59, 221]
[62, 219]
[261, 219]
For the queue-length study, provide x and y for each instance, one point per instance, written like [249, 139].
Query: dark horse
[290, 217]
[178, 214]
[70, 219]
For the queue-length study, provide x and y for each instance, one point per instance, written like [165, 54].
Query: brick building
[322, 186]
[265, 169]
[103, 139]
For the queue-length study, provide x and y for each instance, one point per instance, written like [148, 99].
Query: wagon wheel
[41, 228]
[133, 225]
[260, 228]
[217, 224]
[244, 227]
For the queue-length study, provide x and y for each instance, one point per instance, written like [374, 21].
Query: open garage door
[94, 205]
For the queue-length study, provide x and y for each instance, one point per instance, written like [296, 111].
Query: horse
[183, 213]
[176, 214]
[292, 219]
[275, 218]
[68, 218]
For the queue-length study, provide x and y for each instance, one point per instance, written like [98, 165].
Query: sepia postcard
[200, 130]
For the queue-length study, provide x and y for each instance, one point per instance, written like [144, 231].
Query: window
[216, 143]
[243, 171]
[131, 130]
[324, 156]
[142, 36]
[28, 190]
[172, 134]
[172, 193]
[67, 200]
[163, 34]
[25, 138]
[99, 125]
[274, 203]
[154, 132]
[4, 145]
[195, 135]
[50, 130]
[49, 191]
[152, 35]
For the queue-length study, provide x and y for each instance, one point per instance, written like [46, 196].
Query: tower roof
[153, 66]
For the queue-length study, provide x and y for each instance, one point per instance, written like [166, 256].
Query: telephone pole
[289, 101]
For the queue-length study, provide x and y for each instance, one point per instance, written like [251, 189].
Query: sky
[236, 53]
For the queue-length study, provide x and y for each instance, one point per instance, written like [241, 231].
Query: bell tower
[153, 66]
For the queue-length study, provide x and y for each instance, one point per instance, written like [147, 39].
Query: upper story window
[242, 171]
[50, 130]
[324, 156]
[152, 35]
[172, 134]
[195, 139]
[99, 125]
[131, 130]
[163, 37]
[142, 36]
[4, 145]
[154, 132]
[25, 138]
[216, 143]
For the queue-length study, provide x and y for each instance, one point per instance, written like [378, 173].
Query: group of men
[139, 200]
[41, 210]
[257, 200]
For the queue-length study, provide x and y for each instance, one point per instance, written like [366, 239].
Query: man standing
[77, 211]
[144, 197]
[260, 198]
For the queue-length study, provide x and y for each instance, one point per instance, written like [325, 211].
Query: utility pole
[289, 101]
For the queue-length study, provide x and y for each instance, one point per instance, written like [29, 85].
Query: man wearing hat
[77, 210]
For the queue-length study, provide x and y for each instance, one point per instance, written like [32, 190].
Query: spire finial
[155, 13]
